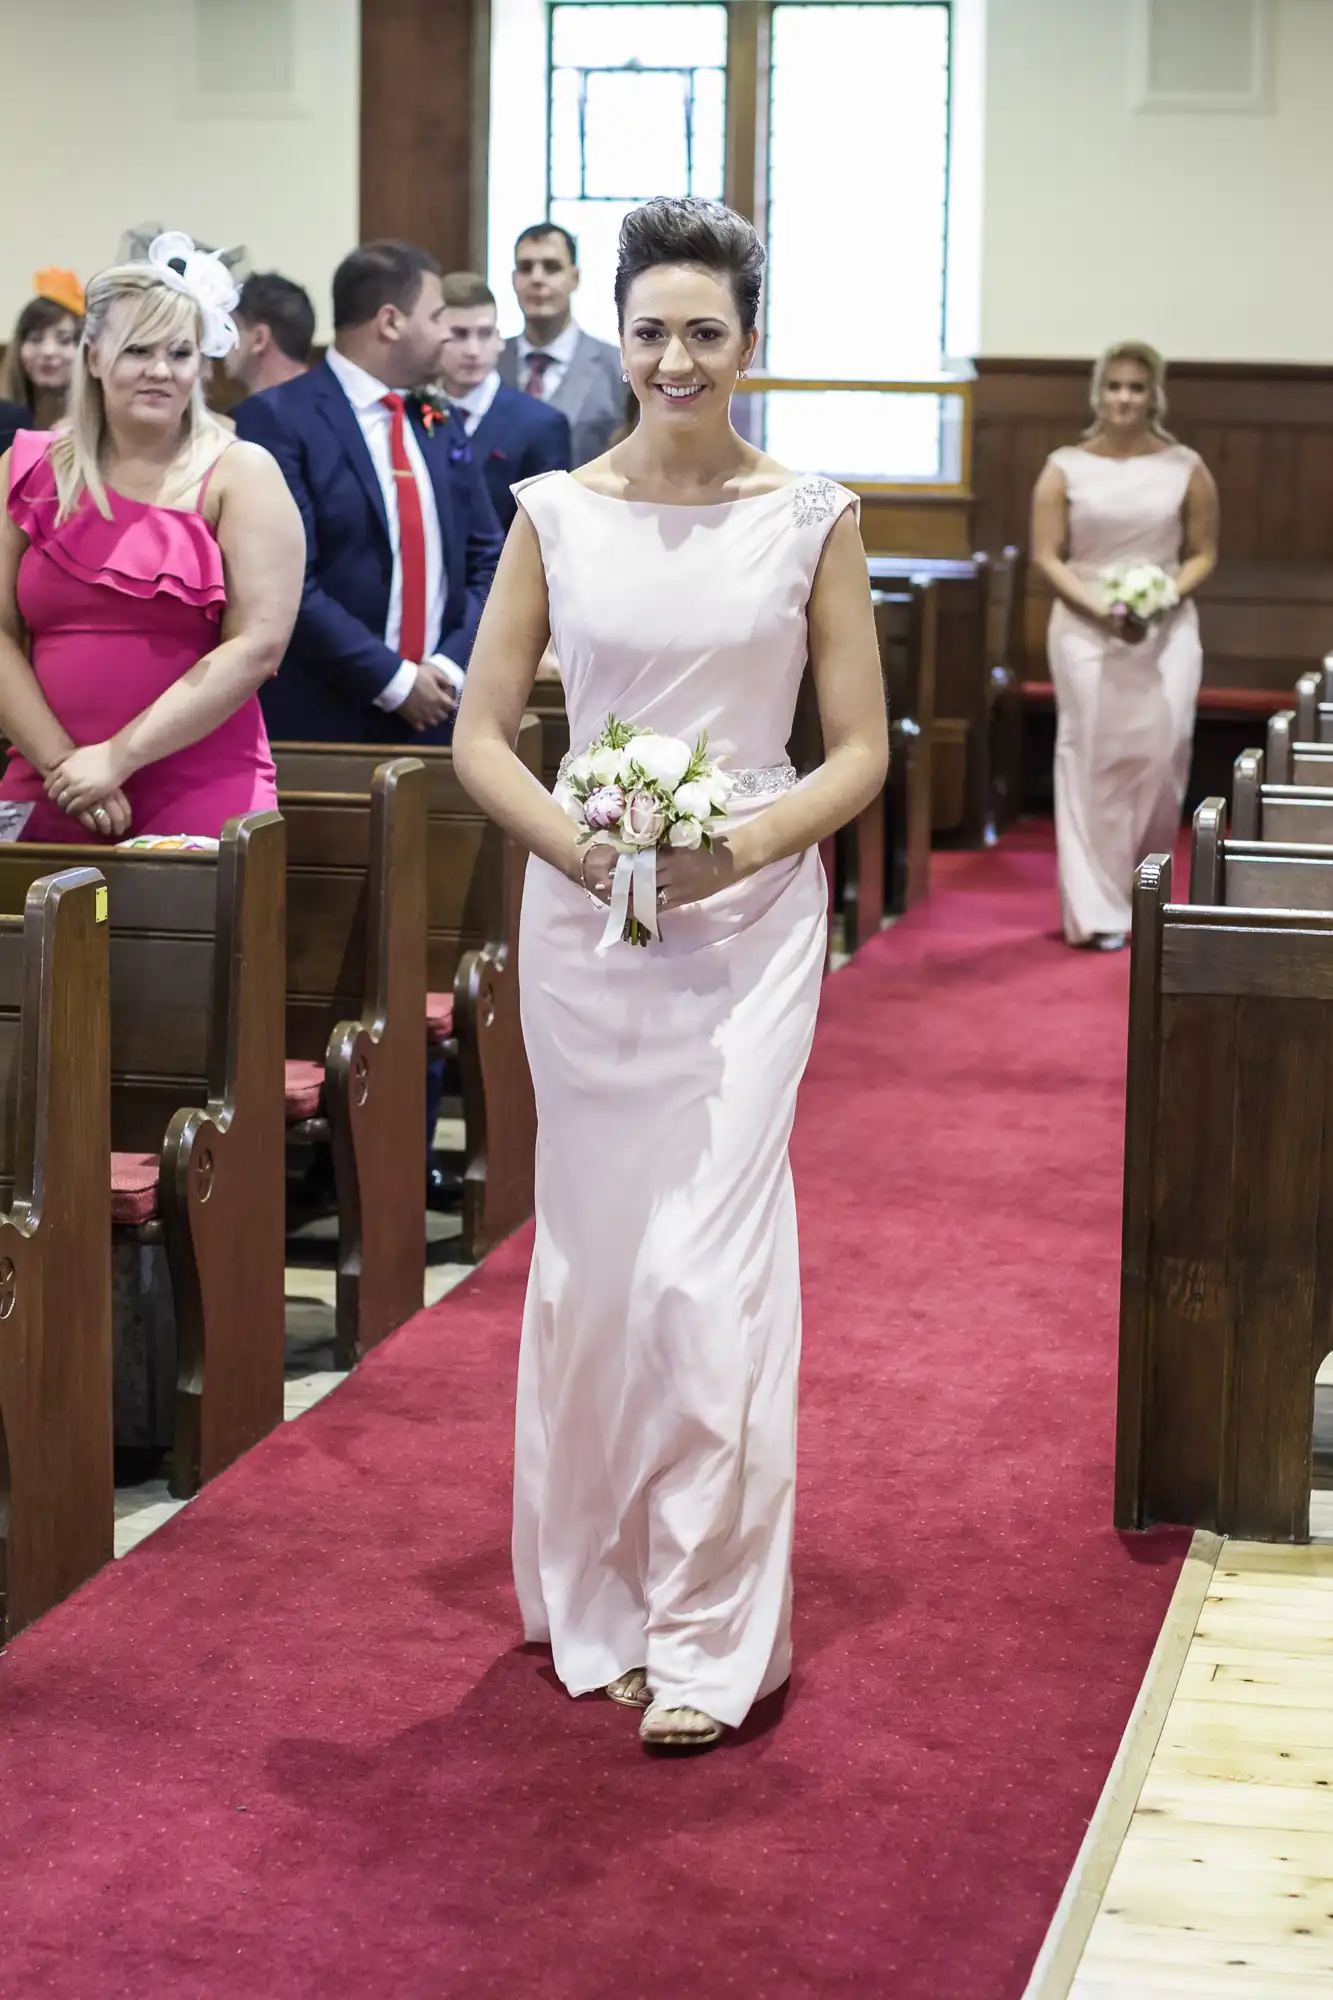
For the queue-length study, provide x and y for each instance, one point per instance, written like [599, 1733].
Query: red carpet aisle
[290, 1748]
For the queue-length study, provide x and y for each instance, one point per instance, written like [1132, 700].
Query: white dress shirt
[477, 401]
[366, 395]
[561, 351]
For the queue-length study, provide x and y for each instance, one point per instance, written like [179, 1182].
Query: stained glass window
[858, 191]
[637, 108]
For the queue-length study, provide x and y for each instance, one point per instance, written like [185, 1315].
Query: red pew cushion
[439, 1017]
[302, 1087]
[134, 1187]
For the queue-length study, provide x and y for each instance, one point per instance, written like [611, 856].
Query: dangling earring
[624, 374]
[744, 373]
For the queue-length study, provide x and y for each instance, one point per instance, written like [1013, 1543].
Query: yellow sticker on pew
[99, 905]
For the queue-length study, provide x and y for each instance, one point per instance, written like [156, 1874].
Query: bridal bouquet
[637, 791]
[1142, 589]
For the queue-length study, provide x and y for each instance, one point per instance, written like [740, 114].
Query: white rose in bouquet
[720, 789]
[663, 760]
[568, 801]
[606, 765]
[694, 801]
[579, 772]
[686, 833]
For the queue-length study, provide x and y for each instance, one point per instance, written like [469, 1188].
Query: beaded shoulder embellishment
[815, 500]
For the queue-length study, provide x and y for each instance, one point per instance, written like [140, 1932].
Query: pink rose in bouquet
[605, 807]
[644, 822]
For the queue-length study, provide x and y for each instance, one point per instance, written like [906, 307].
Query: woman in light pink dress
[1125, 692]
[150, 572]
[684, 578]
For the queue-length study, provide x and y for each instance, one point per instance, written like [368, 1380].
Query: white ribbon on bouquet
[633, 891]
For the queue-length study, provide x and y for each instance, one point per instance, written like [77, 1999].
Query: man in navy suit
[513, 436]
[401, 538]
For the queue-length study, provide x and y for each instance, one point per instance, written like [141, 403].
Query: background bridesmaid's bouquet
[637, 791]
[1138, 593]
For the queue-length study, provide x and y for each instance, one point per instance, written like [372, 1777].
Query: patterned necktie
[411, 536]
[538, 363]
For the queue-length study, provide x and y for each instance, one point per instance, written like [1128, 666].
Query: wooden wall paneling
[419, 121]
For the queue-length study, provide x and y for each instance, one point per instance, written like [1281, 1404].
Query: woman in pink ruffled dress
[150, 572]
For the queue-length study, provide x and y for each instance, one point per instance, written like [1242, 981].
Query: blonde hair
[157, 312]
[1155, 367]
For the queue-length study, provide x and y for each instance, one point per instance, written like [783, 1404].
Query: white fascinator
[203, 276]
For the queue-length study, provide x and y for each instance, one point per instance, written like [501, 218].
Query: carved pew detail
[196, 980]
[56, 1492]
[906, 623]
[474, 886]
[356, 998]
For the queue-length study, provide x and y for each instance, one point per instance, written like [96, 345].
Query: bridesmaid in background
[1125, 691]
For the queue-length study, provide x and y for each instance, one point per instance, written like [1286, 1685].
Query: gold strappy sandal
[662, 1729]
[630, 1690]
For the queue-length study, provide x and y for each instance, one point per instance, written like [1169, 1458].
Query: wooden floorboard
[1223, 1885]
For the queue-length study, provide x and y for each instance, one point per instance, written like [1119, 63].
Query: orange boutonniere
[430, 407]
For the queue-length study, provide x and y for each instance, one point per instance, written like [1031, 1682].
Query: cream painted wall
[1210, 234]
[105, 127]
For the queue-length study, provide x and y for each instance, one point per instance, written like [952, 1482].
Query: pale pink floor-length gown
[656, 1424]
[1125, 713]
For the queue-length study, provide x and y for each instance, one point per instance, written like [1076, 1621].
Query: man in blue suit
[401, 538]
[512, 436]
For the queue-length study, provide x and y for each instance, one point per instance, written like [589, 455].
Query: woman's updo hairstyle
[683, 229]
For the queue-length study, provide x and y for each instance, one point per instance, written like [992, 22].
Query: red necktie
[411, 536]
[538, 364]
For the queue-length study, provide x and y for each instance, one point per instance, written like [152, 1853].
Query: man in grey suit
[553, 357]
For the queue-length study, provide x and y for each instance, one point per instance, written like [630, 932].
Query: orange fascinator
[61, 287]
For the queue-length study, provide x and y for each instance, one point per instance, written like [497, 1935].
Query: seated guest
[553, 358]
[275, 322]
[14, 417]
[513, 436]
[150, 571]
[40, 356]
[401, 539]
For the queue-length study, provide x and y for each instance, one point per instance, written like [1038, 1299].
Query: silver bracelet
[594, 899]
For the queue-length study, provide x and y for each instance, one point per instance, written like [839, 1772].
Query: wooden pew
[1004, 695]
[356, 1003]
[1226, 1303]
[1293, 759]
[1274, 860]
[547, 703]
[474, 885]
[906, 626]
[1261, 810]
[57, 1521]
[196, 983]
[1311, 690]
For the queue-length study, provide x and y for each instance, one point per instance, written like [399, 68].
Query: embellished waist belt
[754, 782]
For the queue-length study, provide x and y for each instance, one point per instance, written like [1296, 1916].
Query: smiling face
[147, 372]
[46, 355]
[471, 347]
[1125, 403]
[683, 345]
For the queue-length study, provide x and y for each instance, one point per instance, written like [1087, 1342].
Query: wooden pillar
[425, 67]
[745, 174]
